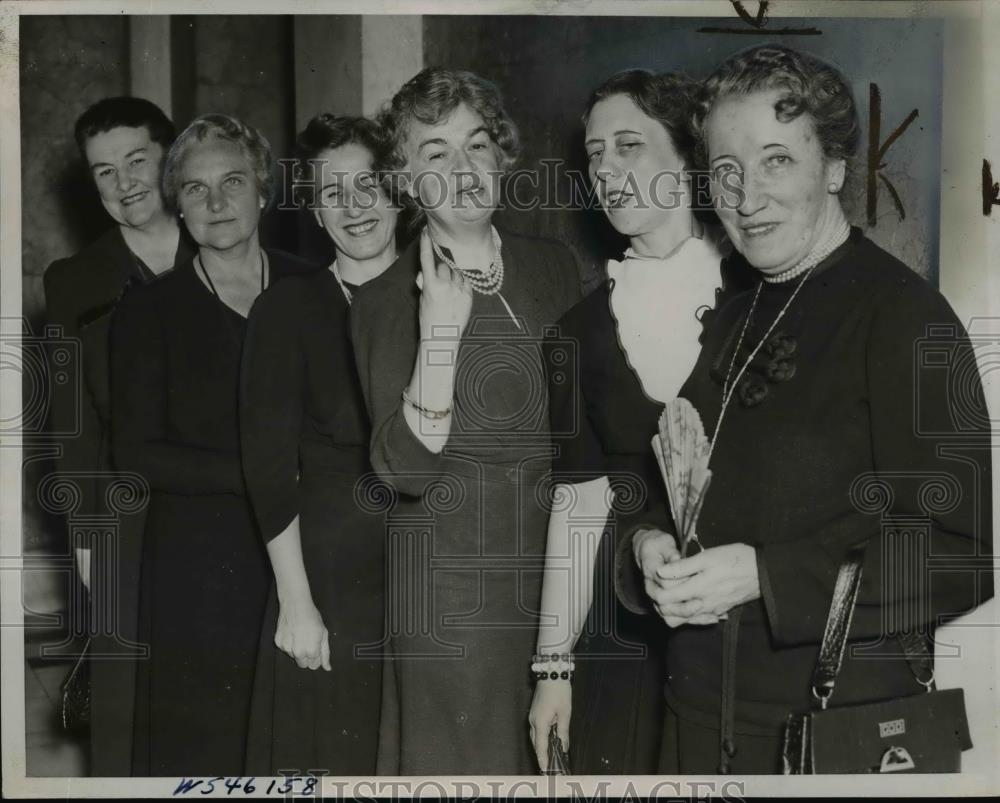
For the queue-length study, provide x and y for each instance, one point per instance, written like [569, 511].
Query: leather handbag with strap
[924, 732]
[75, 708]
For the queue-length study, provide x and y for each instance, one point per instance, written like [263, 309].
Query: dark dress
[603, 423]
[833, 438]
[81, 293]
[305, 437]
[467, 532]
[204, 574]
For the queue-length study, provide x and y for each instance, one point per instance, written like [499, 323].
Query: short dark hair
[667, 98]
[328, 131]
[809, 86]
[251, 142]
[124, 112]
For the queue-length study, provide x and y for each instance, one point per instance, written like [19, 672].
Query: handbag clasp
[823, 694]
[896, 759]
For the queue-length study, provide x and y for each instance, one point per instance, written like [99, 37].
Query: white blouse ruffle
[653, 302]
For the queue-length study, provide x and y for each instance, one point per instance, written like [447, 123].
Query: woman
[123, 141]
[305, 445]
[176, 356]
[446, 342]
[807, 384]
[637, 339]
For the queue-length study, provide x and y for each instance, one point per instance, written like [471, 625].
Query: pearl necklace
[336, 275]
[814, 257]
[488, 282]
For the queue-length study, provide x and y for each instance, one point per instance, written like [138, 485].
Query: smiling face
[781, 174]
[218, 194]
[353, 208]
[454, 168]
[126, 165]
[634, 166]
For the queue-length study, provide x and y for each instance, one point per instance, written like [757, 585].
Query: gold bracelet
[433, 415]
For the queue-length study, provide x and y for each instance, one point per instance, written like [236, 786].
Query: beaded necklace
[830, 244]
[486, 282]
[806, 266]
[336, 275]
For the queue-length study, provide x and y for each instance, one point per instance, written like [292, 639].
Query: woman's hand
[302, 635]
[552, 703]
[445, 296]
[708, 584]
[654, 551]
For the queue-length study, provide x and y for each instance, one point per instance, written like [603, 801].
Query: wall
[547, 66]
[67, 63]
[237, 64]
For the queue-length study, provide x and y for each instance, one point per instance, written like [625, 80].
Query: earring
[262, 204]
[180, 215]
[832, 187]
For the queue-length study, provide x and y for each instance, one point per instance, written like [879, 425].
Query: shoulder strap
[838, 624]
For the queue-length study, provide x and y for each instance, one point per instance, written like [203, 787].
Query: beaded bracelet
[555, 666]
[434, 415]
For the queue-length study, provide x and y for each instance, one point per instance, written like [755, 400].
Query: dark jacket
[81, 293]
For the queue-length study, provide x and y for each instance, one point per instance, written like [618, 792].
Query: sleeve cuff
[766, 592]
[401, 458]
[629, 583]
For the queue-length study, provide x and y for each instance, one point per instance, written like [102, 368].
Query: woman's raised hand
[445, 296]
[302, 635]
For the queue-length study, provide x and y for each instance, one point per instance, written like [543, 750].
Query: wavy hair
[251, 142]
[808, 86]
[430, 97]
[667, 98]
[328, 131]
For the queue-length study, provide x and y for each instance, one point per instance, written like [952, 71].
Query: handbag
[558, 758]
[76, 694]
[925, 732]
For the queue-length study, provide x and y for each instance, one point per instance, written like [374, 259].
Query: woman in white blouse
[636, 339]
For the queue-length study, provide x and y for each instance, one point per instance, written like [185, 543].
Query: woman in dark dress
[636, 338]
[124, 141]
[305, 437]
[454, 382]
[827, 426]
[175, 370]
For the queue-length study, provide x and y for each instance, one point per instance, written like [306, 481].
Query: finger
[427, 261]
[675, 592]
[420, 281]
[562, 731]
[460, 282]
[681, 590]
[324, 652]
[689, 609]
[682, 610]
[684, 567]
[541, 748]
